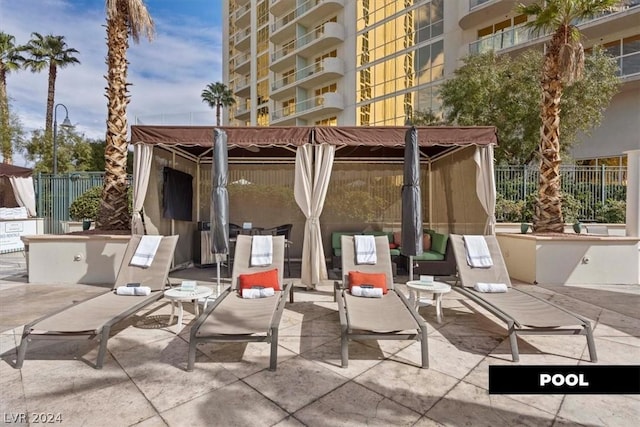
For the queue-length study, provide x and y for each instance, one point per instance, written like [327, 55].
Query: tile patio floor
[144, 382]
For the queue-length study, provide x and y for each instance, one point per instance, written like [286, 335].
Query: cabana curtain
[143, 156]
[485, 185]
[24, 193]
[312, 174]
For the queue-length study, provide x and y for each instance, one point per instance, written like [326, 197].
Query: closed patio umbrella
[219, 201]
[411, 232]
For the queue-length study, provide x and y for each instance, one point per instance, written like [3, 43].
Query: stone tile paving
[144, 382]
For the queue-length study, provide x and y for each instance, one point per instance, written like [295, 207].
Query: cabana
[17, 207]
[16, 188]
[456, 164]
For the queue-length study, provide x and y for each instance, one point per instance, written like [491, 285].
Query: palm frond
[137, 16]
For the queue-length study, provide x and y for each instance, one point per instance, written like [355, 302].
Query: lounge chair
[95, 316]
[388, 318]
[232, 318]
[524, 313]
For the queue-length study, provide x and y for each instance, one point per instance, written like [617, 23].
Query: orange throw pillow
[378, 280]
[267, 279]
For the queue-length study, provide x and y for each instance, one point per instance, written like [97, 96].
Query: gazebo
[316, 161]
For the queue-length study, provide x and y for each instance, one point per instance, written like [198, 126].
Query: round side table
[436, 288]
[178, 296]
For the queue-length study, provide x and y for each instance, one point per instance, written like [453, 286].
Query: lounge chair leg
[345, 350]
[273, 358]
[191, 359]
[22, 350]
[104, 338]
[591, 343]
[513, 340]
[425, 349]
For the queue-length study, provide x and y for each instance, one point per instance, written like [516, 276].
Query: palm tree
[563, 65]
[124, 18]
[49, 52]
[217, 95]
[10, 60]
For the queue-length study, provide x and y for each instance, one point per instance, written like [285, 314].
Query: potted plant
[85, 207]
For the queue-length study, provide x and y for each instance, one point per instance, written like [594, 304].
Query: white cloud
[167, 75]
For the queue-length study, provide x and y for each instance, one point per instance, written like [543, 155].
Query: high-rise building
[375, 62]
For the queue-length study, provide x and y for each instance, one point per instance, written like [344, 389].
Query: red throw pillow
[426, 242]
[378, 280]
[392, 246]
[397, 238]
[267, 279]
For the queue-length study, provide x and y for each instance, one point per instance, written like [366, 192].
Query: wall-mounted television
[177, 195]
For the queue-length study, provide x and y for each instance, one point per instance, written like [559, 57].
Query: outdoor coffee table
[178, 296]
[435, 288]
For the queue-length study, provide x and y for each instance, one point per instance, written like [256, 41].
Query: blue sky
[167, 75]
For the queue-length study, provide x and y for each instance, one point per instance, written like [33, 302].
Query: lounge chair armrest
[275, 320]
[342, 309]
[203, 316]
[413, 312]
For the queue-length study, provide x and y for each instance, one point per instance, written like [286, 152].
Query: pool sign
[556, 379]
[560, 380]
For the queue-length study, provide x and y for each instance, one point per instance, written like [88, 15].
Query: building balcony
[243, 112]
[280, 7]
[308, 77]
[482, 10]
[242, 87]
[317, 40]
[517, 39]
[306, 14]
[241, 63]
[242, 15]
[242, 38]
[328, 103]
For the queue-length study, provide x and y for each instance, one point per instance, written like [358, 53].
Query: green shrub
[612, 212]
[86, 206]
[522, 210]
[509, 210]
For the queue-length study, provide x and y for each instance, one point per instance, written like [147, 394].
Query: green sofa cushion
[429, 256]
[394, 252]
[337, 235]
[337, 251]
[439, 243]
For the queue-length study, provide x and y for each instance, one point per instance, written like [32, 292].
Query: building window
[263, 116]
[288, 107]
[331, 121]
[326, 89]
[262, 66]
[288, 77]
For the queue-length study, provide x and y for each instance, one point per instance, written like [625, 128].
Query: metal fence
[55, 193]
[591, 186]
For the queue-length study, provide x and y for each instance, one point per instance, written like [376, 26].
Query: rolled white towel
[359, 291]
[258, 293]
[491, 287]
[137, 291]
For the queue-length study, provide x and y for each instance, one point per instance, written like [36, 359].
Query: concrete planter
[87, 259]
[571, 259]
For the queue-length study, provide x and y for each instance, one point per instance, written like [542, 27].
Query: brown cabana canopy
[196, 141]
[7, 170]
